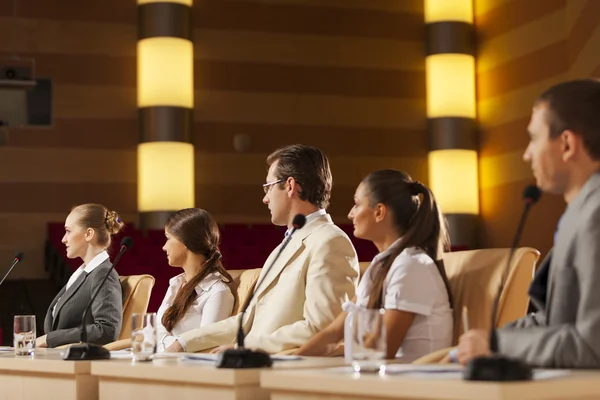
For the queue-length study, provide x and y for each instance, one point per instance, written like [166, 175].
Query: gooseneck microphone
[17, 259]
[241, 357]
[89, 351]
[498, 368]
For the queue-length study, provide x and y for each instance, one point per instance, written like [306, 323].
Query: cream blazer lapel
[287, 256]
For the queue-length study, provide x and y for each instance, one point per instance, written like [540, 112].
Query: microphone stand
[240, 357]
[90, 351]
[499, 368]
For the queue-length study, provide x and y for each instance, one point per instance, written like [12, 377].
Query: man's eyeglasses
[268, 186]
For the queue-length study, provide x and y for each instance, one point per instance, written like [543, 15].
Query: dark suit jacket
[103, 323]
[565, 332]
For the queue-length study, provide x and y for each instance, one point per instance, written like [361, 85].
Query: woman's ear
[380, 212]
[89, 234]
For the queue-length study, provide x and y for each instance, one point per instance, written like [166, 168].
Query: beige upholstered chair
[474, 277]
[136, 296]
[242, 286]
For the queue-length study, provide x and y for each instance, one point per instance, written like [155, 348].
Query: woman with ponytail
[407, 278]
[200, 295]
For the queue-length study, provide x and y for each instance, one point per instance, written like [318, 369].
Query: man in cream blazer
[564, 152]
[303, 291]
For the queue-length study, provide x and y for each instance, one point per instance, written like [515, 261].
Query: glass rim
[143, 314]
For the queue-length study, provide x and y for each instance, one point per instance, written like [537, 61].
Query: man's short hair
[309, 167]
[575, 106]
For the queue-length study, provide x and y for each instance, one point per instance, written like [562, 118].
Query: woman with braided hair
[407, 278]
[200, 295]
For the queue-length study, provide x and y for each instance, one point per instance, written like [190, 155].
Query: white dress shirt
[213, 303]
[99, 259]
[309, 218]
[413, 284]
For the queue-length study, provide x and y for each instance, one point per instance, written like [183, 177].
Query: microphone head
[19, 256]
[298, 221]
[531, 194]
[127, 242]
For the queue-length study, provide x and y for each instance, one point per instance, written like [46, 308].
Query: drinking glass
[143, 336]
[24, 335]
[367, 340]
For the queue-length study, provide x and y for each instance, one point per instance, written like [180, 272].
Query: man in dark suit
[564, 152]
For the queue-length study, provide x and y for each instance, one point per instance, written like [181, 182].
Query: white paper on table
[120, 355]
[443, 371]
[6, 348]
[207, 357]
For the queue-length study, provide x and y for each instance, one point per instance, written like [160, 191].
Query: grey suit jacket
[103, 322]
[565, 332]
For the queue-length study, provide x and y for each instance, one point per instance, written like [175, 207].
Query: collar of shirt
[309, 218]
[99, 259]
[177, 281]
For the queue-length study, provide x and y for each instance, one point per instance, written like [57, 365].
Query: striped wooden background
[525, 47]
[344, 75]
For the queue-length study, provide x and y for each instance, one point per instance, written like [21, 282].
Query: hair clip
[118, 220]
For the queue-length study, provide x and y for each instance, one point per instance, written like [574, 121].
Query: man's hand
[174, 348]
[474, 343]
[221, 348]
[41, 342]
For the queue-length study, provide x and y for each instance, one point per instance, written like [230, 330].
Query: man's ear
[293, 187]
[570, 144]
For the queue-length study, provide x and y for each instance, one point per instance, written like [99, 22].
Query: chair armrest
[441, 356]
[118, 345]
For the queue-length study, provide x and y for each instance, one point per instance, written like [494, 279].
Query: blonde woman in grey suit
[88, 231]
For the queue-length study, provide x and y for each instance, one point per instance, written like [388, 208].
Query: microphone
[89, 351]
[241, 357]
[18, 258]
[498, 368]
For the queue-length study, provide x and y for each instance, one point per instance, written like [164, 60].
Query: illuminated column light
[165, 100]
[451, 114]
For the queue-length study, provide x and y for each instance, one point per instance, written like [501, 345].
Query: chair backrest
[136, 296]
[475, 277]
[242, 285]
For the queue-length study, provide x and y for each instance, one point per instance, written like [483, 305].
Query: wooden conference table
[171, 378]
[46, 375]
[332, 384]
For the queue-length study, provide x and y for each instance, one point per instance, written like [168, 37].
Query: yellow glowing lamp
[184, 2]
[450, 80]
[165, 72]
[165, 176]
[448, 10]
[453, 180]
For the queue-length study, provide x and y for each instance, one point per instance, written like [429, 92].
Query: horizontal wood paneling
[230, 15]
[512, 15]
[548, 62]
[538, 34]
[99, 70]
[504, 138]
[218, 137]
[500, 209]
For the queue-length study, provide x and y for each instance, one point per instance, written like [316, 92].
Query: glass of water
[143, 336]
[24, 334]
[367, 340]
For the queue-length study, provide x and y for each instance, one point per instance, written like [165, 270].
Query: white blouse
[214, 303]
[413, 284]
